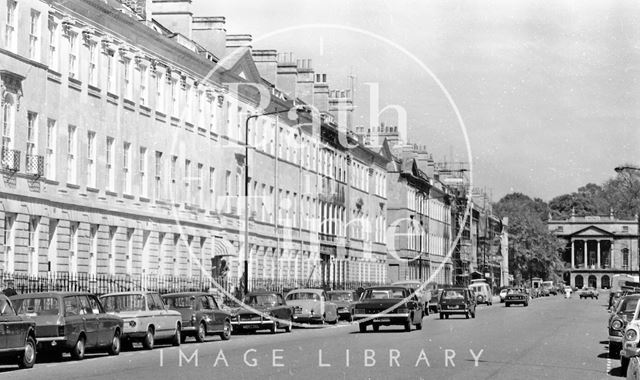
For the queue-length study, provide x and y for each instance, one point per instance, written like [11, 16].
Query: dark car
[457, 301]
[263, 310]
[386, 306]
[620, 316]
[18, 343]
[516, 296]
[70, 322]
[201, 315]
[344, 300]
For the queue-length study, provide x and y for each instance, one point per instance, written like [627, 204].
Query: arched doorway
[605, 282]
[593, 282]
[579, 282]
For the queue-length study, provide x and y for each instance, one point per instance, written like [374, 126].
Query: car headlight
[631, 335]
[616, 324]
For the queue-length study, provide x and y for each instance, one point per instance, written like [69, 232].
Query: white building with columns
[598, 247]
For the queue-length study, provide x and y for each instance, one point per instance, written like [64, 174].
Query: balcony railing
[35, 165]
[11, 160]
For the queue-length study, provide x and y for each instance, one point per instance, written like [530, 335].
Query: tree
[533, 250]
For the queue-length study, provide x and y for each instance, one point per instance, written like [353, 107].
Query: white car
[630, 340]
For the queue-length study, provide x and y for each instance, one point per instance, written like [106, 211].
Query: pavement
[553, 338]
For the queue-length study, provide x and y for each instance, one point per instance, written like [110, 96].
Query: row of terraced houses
[123, 156]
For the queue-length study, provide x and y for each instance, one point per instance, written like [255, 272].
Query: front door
[105, 329]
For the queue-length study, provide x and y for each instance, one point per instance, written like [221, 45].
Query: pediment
[240, 64]
[592, 231]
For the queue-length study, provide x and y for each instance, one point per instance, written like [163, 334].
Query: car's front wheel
[28, 356]
[114, 348]
[77, 353]
[149, 340]
[202, 332]
[177, 338]
[226, 331]
[614, 350]
[407, 325]
[362, 327]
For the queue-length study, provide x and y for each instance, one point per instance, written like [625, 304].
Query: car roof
[306, 290]
[262, 292]
[340, 291]
[50, 294]
[182, 294]
[141, 292]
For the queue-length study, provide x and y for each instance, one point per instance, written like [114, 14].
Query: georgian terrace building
[598, 247]
[123, 150]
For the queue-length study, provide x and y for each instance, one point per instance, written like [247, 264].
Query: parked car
[344, 300]
[482, 292]
[18, 343]
[70, 322]
[312, 305]
[201, 315]
[424, 296]
[589, 293]
[544, 292]
[503, 294]
[516, 296]
[630, 340]
[270, 312]
[457, 301]
[386, 306]
[618, 321]
[146, 318]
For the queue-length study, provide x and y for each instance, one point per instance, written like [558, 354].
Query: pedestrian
[9, 290]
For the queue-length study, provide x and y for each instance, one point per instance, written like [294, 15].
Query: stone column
[598, 254]
[573, 254]
[585, 255]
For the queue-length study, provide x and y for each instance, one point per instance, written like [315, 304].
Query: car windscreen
[344, 297]
[514, 291]
[37, 306]
[123, 302]
[182, 302]
[261, 300]
[303, 296]
[391, 293]
[627, 305]
[452, 294]
[5, 308]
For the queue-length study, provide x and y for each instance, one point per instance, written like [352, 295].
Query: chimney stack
[287, 74]
[211, 33]
[176, 15]
[267, 64]
[341, 105]
[304, 89]
[321, 93]
[235, 41]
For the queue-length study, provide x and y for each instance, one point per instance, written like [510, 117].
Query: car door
[217, 313]
[156, 315]
[91, 323]
[168, 317]
[105, 322]
[74, 320]
[13, 329]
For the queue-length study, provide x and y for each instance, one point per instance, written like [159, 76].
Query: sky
[548, 91]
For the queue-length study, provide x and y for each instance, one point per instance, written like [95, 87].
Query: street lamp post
[621, 169]
[245, 269]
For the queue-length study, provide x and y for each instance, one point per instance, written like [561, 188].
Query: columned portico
[603, 256]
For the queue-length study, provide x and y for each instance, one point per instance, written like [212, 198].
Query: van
[482, 291]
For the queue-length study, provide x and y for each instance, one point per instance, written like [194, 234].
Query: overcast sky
[549, 90]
